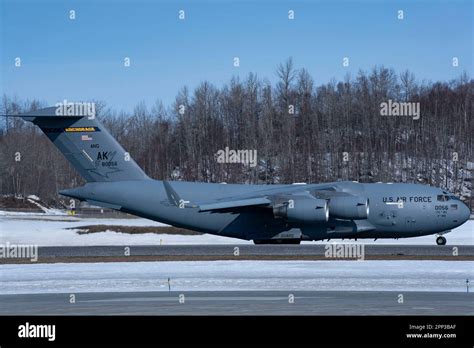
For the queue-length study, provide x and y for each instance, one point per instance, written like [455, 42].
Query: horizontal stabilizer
[104, 204]
[81, 194]
[46, 113]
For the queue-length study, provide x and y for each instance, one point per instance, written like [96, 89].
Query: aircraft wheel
[441, 240]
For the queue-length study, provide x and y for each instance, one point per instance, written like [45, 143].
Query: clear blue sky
[83, 59]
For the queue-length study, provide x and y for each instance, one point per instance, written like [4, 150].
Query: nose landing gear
[441, 240]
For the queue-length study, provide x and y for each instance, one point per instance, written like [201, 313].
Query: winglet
[173, 197]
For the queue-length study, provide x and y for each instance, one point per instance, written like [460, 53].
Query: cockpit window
[454, 206]
[443, 198]
[454, 198]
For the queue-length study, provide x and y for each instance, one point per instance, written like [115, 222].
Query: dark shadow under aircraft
[262, 213]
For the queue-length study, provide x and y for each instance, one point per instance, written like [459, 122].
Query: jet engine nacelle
[303, 210]
[349, 207]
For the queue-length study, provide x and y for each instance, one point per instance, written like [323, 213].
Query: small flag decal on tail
[85, 137]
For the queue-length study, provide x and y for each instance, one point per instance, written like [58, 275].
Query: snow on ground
[50, 211]
[237, 275]
[46, 230]
[50, 230]
[32, 215]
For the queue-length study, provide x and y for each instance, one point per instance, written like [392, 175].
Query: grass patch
[134, 229]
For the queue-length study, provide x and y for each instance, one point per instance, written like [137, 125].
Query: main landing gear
[441, 240]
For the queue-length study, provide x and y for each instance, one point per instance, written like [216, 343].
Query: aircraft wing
[265, 199]
[268, 199]
[338, 200]
[234, 204]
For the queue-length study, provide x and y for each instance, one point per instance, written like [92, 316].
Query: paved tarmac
[242, 252]
[241, 303]
[245, 249]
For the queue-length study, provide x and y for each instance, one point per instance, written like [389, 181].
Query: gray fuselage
[396, 210]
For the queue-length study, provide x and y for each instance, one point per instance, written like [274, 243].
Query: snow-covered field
[46, 230]
[237, 275]
[51, 230]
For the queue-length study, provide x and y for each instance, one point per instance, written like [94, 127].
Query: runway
[240, 252]
[241, 303]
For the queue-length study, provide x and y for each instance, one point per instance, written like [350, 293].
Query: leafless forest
[303, 132]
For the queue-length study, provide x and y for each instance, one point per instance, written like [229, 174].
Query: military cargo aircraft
[286, 214]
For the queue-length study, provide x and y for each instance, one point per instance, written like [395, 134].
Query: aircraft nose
[465, 212]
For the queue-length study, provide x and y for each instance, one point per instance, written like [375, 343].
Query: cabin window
[443, 198]
[454, 206]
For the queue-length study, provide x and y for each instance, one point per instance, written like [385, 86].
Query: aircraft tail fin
[86, 144]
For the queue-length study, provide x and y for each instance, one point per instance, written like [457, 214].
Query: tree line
[302, 132]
